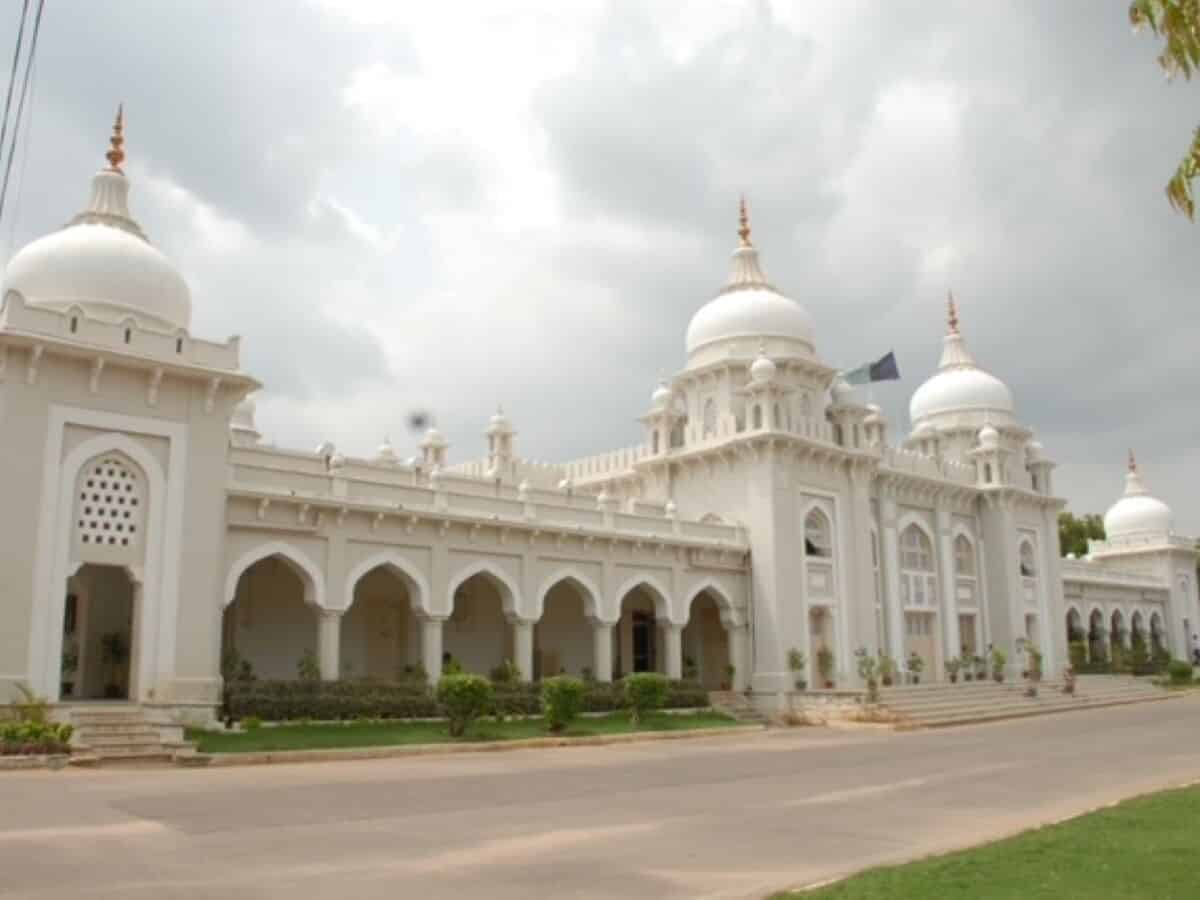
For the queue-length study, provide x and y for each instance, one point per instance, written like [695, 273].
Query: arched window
[918, 578]
[677, 433]
[964, 557]
[777, 422]
[817, 540]
[805, 406]
[1028, 565]
[110, 509]
[654, 442]
[710, 417]
[757, 420]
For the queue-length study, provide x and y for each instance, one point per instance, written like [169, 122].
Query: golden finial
[1132, 461]
[743, 224]
[116, 155]
[953, 316]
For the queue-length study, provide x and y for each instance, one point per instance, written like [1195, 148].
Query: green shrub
[562, 701]
[1179, 671]
[1078, 653]
[463, 699]
[505, 673]
[282, 701]
[516, 699]
[251, 723]
[645, 692]
[308, 668]
[30, 737]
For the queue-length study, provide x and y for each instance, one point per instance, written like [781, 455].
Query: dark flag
[883, 369]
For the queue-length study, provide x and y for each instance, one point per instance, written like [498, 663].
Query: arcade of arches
[274, 622]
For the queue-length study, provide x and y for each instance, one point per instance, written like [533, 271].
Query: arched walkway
[477, 635]
[706, 646]
[638, 644]
[562, 638]
[1075, 632]
[271, 621]
[1117, 635]
[1157, 638]
[1137, 630]
[99, 635]
[380, 637]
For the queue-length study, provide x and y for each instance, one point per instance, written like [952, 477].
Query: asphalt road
[735, 816]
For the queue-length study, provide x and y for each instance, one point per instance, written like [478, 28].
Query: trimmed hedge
[284, 701]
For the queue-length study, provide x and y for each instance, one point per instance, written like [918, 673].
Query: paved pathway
[722, 817]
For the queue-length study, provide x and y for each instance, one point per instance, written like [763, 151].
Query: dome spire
[955, 354]
[116, 153]
[1132, 461]
[952, 318]
[743, 224]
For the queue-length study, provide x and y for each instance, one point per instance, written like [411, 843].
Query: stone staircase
[939, 705]
[108, 732]
[737, 705]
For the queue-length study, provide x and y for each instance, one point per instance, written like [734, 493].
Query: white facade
[146, 531]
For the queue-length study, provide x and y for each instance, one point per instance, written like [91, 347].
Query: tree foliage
[1177, 22]
[1074, 532]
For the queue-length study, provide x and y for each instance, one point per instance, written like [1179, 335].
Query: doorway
[98, 649]
[643, 642]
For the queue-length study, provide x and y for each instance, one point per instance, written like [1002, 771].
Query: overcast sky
[446, 206]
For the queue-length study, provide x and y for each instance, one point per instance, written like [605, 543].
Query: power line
[37, 26]
[20, 183]
[12, 75]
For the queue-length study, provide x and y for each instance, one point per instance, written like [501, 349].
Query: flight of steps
[737, 705]
[936, 705]
[118, 731]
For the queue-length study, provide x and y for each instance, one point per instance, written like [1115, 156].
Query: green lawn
[382, 734]
[1144, 848]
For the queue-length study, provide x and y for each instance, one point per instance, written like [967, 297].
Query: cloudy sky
[449, 205]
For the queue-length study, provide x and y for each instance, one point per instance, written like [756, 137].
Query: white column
[891, 581]
[329, 643]
[952, 640]
[737, 637]
[602, 650]
[523, 647]
[431, 647]
[673, 650]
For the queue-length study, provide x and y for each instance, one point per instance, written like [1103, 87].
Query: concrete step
[1019, 712]
[928, 707]
[118, 733]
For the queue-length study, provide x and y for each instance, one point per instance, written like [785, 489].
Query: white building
[145, 527]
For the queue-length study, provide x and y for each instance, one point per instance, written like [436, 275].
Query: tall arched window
[918, 578]
[757, 420]
[817, 540]
[964, 557]
[1028, 563]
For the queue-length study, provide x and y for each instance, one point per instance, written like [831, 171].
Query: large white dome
[960, 386]
[748, 311]
[960, 389]
[102, 262]
[1137, 513]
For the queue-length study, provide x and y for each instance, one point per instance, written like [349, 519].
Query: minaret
[500, 444]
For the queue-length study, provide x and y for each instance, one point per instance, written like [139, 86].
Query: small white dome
[1137, 512]
[843, 393]
[762, 370]
[243, 415]
[661, 398]
[1034, 450]
[499, 422]
[386, 452]
[989, 437]
[874, 415]
[433, 438]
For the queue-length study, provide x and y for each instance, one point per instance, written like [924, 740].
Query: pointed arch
[510, 593]
[309, 572]
[660, 595]
[730, 617]
[587, 590]
[818, 532]
[413, 578]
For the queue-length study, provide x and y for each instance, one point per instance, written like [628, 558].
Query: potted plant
[887, 670]
[916, 666]
[115, 653]
[825, 666]
[999, 658]
[798, 663]
[1033, 668]
[1068, 680]
[868, 671]
[981, 670]
[967, 665]
[70, 665]
[953, 665]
